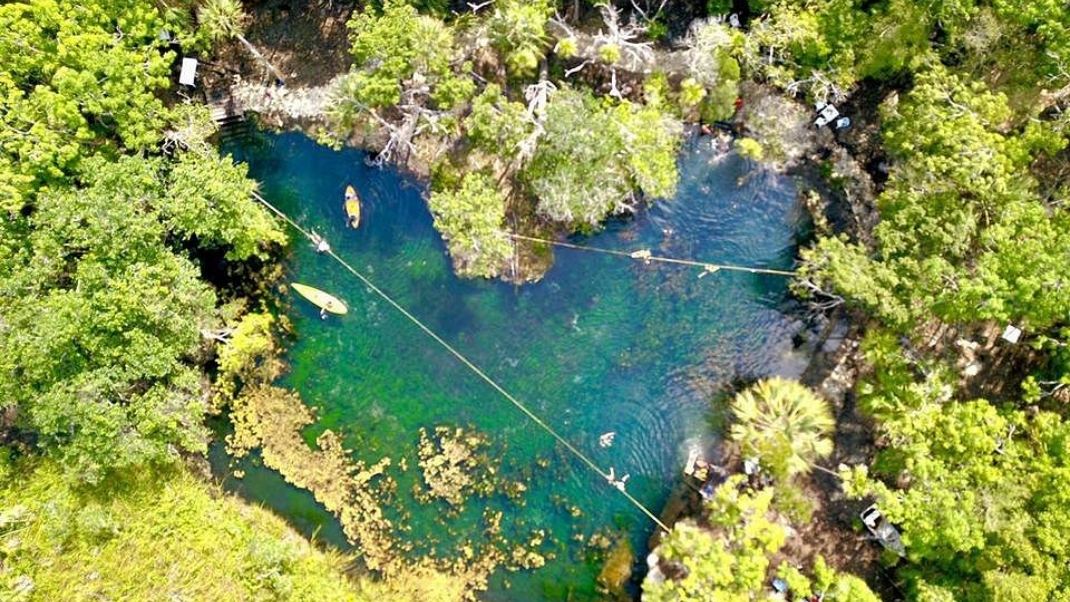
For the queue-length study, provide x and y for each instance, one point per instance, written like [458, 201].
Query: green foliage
[497, 124]
[657, 29]
[893, 389]
[972, 229]
[210, 197]
[656, 89]
[710, 49]
[146, 537]
[793, 36]
[102, 305]
[395, 49]
[828, 46]
[719, 103]
[576, 173]
[827, 584]
[651, 140]
[831, 45]
[591, 157]
[727, 564]
[903, 40]
[518, 30]
[985, 509]
[750, 148]
[71, 88]
[438, 8]
[609, 54]
[566, 48]
[691, 92]
[454, 92]
[784, 424]
[727, 560]
[961, 235]
[248, 357]
[718, 7]
[221, 19]
[103, 321]
[470, 219]
[834, 264]
[713, 73]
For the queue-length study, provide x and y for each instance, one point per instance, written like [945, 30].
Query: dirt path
[306, 41]
[287, 105]
[308, 45]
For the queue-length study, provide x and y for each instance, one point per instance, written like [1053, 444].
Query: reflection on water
[600, 344]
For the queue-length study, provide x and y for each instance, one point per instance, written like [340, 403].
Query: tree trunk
[274, 72]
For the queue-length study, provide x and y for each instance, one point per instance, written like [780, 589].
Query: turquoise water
[600, 344]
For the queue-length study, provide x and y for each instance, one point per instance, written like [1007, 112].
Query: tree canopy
[104, 301]
[591, 157]
[726, 557]
[784, 424]
[434, 85]
[471, 219]
[982, 512]
[76, 81]
[961, 223]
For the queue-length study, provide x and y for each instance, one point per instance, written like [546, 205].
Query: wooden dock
[225, 110]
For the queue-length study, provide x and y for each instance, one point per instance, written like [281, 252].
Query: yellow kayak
[352, 207]
[324, 301]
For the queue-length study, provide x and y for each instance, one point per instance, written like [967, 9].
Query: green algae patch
[272, 419]
[455, 465]
[152, 536]
[617, 568]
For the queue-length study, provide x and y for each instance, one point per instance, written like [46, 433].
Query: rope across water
[472, 366]
[646, 256]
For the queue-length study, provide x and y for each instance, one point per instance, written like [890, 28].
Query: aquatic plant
[271, 419]
[455, 464]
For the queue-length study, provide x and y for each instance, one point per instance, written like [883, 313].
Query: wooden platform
[225, 110]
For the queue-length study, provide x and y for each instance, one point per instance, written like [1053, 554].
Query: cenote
[600, 344]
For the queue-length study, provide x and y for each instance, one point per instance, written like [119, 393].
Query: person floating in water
[606, 439]
[320, 242]
[612, 479]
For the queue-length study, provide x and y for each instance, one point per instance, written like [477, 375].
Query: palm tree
[783, 423]
[518, 30]
[222, 20]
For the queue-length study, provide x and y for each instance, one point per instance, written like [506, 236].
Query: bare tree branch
[623, 36]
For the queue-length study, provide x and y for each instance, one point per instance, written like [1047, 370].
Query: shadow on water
[600, 344]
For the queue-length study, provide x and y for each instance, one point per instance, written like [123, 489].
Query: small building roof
[189, 71]
[1012, 333]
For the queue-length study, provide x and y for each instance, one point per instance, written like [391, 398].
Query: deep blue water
[600, 344]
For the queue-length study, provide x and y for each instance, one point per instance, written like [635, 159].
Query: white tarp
[1012, 333]
[189, 71]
